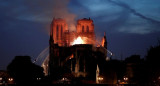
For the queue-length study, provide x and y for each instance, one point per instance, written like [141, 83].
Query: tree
[153, 55]
[24, 71]
[153, 62]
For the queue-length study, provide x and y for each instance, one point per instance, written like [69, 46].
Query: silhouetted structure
[5, 78]
[80, 59]
[24, 71]
[153, 65]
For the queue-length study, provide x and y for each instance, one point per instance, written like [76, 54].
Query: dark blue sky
[131, 26]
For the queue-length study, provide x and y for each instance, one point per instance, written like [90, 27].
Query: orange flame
[102, 43]
[78, 41]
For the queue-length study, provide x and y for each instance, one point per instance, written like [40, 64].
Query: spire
[104, 41]
[97, 74]
[97, 70]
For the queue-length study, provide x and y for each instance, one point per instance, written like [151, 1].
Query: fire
[103, 40]
[78, 41]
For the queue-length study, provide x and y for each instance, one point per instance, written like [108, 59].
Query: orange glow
[103, 40]
[10, 79]
[78, 41]
[72, 56]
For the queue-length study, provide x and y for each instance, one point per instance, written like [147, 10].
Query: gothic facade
[76, 60]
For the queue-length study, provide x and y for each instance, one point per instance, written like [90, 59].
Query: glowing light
[38, 78]
[125, 78]
[107, 58]
[100, 78]
[103, 40]
[72, 56]
[78, 41]
[10, 79]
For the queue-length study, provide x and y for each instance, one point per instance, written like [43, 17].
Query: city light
[38, 78]
[10, 79]
[100, 79]
[125, 78]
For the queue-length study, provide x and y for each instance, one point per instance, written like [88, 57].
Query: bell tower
[59, 26]
[85, 28]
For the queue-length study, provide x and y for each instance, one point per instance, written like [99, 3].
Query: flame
[102, 43]
[78, 41]
[71, 56]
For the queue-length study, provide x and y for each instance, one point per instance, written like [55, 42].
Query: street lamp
[100, 79]
[38, 78]
[10, 79]
[125, 79]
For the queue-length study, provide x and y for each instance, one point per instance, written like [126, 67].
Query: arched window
[57, 32]
[82, 28]
[61, 30]
[87, 28]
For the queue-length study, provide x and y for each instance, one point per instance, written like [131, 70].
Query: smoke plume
[60, 10]
[123, 5]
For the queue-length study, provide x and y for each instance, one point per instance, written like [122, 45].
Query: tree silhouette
[24, 71]
[153, 58]
[153, 55]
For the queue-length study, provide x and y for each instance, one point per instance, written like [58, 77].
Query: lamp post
[100, 79]
[126, 79]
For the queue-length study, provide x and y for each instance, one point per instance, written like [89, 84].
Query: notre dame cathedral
[75, 54]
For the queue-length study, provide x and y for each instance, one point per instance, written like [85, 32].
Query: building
[74, 54]
[85, 28]
[5, 78]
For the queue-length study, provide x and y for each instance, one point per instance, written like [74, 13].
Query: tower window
[61, 30]
[87, 28]
[57, 32]
[82, 28]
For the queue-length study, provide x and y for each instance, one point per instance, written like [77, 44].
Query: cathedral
[75, 54]
[61, 35]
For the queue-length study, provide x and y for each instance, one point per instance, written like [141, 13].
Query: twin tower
[63, 37]
[80, 59]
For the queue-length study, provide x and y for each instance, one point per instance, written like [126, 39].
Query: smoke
[60, 10]
[121, 4]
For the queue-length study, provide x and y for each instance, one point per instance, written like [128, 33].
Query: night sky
[131, 26]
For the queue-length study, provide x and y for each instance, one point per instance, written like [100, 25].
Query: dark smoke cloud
[121, 4]
[60, 10]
